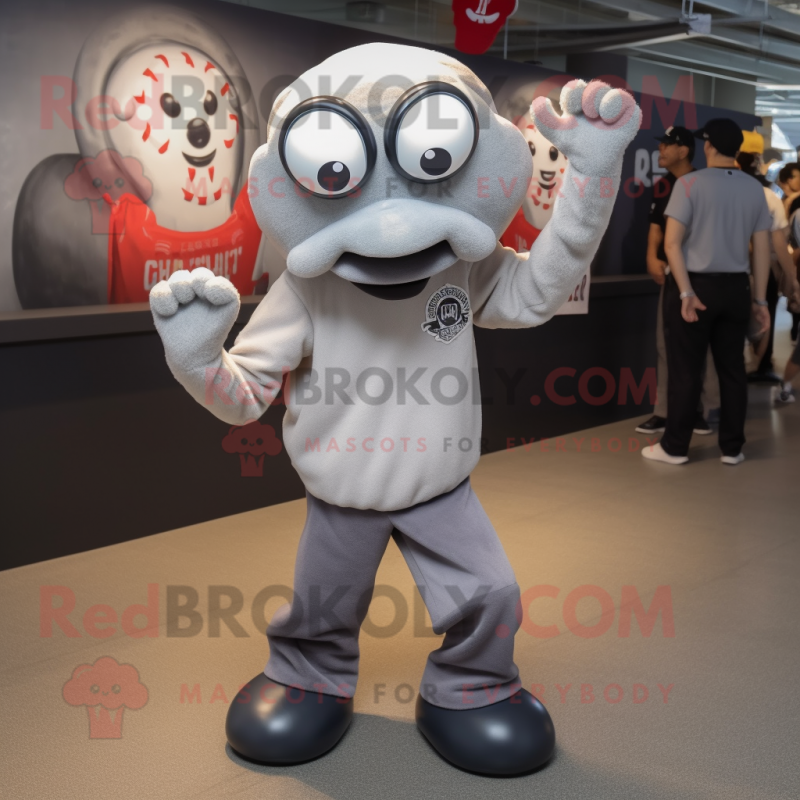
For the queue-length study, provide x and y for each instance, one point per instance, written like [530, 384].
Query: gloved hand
[596, 125]
[194, 313]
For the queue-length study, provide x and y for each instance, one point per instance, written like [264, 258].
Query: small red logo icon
[106, 688]
[252, 442]
[103, 180]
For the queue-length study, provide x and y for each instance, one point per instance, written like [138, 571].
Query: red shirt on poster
[520, 234]
[141, 253]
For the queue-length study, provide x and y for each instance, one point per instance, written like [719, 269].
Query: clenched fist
[597, 123]
[194, 313]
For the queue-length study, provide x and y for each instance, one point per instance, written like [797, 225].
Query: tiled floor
[707, 707]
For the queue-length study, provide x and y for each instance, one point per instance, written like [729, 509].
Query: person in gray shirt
[713, 214]
[675, 154]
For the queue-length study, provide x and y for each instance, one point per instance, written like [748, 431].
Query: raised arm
[597, 124]
[194, 313]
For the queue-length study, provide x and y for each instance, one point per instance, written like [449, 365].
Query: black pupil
[210, 104]
[553, 154]
[532, 147]
[119, 182]
[97, 183]
[333, 176]
[170, 105]
[435, 161]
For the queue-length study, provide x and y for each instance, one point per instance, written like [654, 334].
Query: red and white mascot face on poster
[479, 21]
[549, 164]
[177, 115]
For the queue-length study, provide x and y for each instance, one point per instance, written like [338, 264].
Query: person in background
[675, 154]
[783, 273]
[785, 392]
[770, 156]
[788, 189]
[794, 241]
[789, 185]
[712, 217]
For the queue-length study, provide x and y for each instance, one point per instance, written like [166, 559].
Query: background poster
[79, 178]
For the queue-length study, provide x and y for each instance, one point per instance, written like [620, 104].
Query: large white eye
[327, 147]
[431, 132]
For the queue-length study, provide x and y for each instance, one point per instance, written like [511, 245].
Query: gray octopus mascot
[387, 199]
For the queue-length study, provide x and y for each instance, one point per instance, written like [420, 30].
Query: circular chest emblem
[447, 313]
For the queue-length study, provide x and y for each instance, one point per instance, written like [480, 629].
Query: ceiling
[745, 42]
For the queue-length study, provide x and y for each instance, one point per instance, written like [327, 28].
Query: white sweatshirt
[390, 414]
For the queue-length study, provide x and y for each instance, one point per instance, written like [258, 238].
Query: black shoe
[507, 738]
[653, 425]
[266, 725]
[701, 426]
[762, 377]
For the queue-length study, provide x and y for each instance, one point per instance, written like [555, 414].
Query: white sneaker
[782, 394]
[655, 452]
[732, 460]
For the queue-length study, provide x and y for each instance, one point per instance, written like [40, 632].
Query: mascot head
[386, 164]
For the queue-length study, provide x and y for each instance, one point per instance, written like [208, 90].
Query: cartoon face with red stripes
[549, 164]
[178, 114]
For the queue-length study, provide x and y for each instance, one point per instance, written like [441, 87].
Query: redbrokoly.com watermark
[543, 612]
[448, 386]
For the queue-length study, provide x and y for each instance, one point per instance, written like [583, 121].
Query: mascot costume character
[387, 199]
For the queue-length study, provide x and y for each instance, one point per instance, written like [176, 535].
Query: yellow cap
[753, 142]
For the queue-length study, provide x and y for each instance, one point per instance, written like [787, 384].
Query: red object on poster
[520, 234]
[479, 21]
[142, 253]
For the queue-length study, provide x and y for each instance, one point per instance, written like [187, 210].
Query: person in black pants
[712, 216]
[675, 154]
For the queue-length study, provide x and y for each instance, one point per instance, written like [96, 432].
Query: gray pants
[463, 576]
[710, 396]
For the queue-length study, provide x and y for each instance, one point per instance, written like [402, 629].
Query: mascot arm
[521, 290]
[194, 313]
[510, 290]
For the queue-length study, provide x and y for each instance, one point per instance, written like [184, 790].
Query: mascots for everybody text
[377, 196]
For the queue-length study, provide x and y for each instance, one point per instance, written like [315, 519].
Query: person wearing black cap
[675, 154]
[712, 216]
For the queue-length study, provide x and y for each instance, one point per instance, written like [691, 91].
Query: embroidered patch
[447, 313]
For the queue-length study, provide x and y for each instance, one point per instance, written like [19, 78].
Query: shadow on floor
[390, 760]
